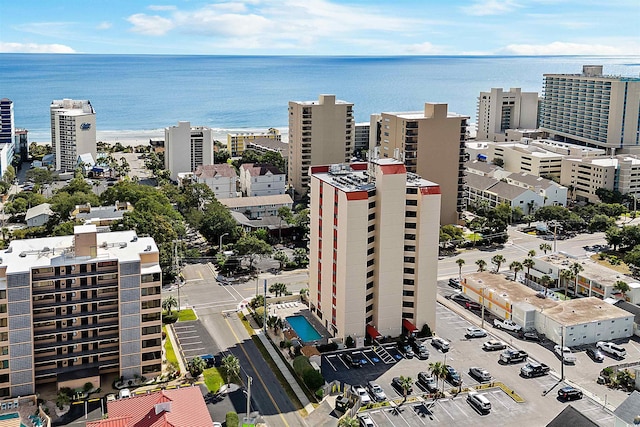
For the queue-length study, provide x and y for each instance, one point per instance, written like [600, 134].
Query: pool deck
[297, 308]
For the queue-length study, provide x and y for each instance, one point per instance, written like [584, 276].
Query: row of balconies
[73, 339]
[68, 352]
[106, 362]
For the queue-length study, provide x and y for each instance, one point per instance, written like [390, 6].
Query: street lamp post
[221, 236]
[482, 309]
[249, 379]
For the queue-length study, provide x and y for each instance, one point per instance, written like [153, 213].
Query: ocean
[142, 94]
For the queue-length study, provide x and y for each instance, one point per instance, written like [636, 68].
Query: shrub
[300, 364]
[232, 419]
[170, 318]
[88, 386]
[425, 331]
[323, 348]
[285, 343]
[313, 379]
[349, 342]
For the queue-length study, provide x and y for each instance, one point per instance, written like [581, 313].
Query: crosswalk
[383, 353]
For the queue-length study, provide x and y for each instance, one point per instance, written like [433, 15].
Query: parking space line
[498, 399]
[328, 360]
[343, 362]
[399, 413]
[430, 409]
[455, 403]
[445, 409]
[415, 412]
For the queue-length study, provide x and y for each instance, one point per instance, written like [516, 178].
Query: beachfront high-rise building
[320, 133]
[499, 110]
[7, 134]
[21, 145]
[237, 142]
[373, 241]
[432, 143]
[73, 132]
[75, 307]
[592, 109]
[361, 139]
[187, 147]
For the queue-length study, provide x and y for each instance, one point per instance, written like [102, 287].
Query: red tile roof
[211, 171]
[182, 407]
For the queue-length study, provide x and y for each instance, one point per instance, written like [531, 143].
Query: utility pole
[482, 290]
[176, 267]
[249, 379]
[562, 352]
[264, 320]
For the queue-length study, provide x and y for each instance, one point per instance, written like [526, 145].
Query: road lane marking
[266, 389]
[327, 359]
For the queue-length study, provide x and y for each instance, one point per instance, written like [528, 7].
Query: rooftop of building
[591, 270]
[217, 170]
[22, 255]
[269, 143]
[484, 167]
[629, 410]
[270, 132]
[581, 310]
[532, 180]
[243, 202]
[324, 100]
[73, 106]
[103, 212]
[510, 290]
[41, 209]
[257, 169]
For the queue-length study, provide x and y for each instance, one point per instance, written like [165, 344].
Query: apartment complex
[592, 108]
[73, 132]
[7, 125]
[373, 248]
[361, 139]
[320, 133]
[499, 111]
[187, 147]
[222, 179]
[75, 307]
[261, 180]
[432, 143]
[237, 142]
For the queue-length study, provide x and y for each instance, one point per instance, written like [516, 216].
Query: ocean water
[145, 93]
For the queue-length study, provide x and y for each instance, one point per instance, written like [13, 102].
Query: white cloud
[161, 7]
[566, 48]
[491, 7]
[152, 25]
[425, 48]
[34, 48]
[104, 25]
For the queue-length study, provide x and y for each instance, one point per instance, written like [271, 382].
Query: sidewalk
[176, 348]
[285, 371]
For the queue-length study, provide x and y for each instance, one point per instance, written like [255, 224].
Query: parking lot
[194, 340]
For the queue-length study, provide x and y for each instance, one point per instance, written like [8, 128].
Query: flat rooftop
[592, 270]
[582, 310]
[510, 290]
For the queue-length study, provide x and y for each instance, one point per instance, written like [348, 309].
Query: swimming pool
[303, 328]
[11, 416]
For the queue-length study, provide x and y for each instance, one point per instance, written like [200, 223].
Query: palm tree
[545, 247]
[623, 287]
[545, 281]
[567, 276]
[348, 421]
[405, 385]
[278, 289]
[196, 366]
[576, 268]
[515, 266]
[531, 253]
[439, 370]
[498, 260]
[460, 263]
[231, 368]
[529, 262]
[169, 303]
[482, 265]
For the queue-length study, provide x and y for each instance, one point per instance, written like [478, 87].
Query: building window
[369, 297]
[408, 293]
[407, 304]
[408, 282]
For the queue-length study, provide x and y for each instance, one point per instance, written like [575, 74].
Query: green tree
[284, 214]
[40, 176]
[231, 368]
[300, 257]
[545, 247]
[282, 259]
[622, 287]
[601, 223]
[515, 266]
[566, 276]
[482, 265]
[552, 213]
[438, 370]
[251, 247]
[216, 221]
[405, 385]
[348, 421]
[9, 175]
[169, 303]
[576, 268]
[531, 253]
[460, 263]
[278, 289]
[196, 366]
[613, 236]
[528, 263]
[545, 280]
[498, 260]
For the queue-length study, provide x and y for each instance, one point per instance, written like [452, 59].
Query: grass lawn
[187, 314]
[171, 354]
[213, 379]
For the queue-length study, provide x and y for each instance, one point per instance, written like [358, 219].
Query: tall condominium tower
[75, 307]
[373, 248]
[499, 111]
[432, 143]
[592, 109]
[7, 134]
[320, 132]
[73, 132]
[187, 147]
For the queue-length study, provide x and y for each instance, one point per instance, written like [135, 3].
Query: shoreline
[142, 137]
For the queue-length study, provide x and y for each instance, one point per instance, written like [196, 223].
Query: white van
[479, 401]
[124, 393]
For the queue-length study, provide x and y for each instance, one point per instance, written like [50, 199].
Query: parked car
[475, 332]
[534, 369]
[454, 282]
[342, 403]
[529, 335]
[569, 393]
[365, 420]
[440, 344]
[480, 374]
[507, 324]
[565, 354]
[354, 360]
[405, 349]
[513, 356]
[611, 348]
[479, 401]
[461, 298]
[428, 380]
[376, 391]
[395, 383]
[453, 376]
[365, 399]
[493, 345]
[472, 305]
[419, 349]
[595, 354]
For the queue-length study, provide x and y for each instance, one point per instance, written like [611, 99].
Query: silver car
[376, 391]
[480, 374]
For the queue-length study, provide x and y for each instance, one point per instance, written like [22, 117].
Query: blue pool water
[303, 328]
[9, 416]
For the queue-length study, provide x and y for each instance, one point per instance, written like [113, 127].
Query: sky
[322, 27]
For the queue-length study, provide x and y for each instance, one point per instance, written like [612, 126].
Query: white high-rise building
[187, 147]
[499, 110]
[373, 242]
[73, 132]
[7, 134]
[320, 133]
[592, 109]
